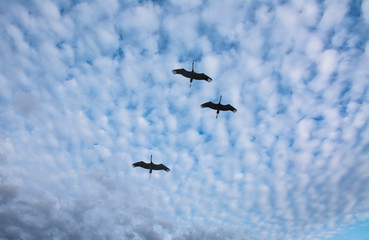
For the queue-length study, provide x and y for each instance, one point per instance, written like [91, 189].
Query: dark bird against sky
[219, 107]
[192, 75]
[151, 166]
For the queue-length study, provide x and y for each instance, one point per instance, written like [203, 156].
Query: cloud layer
[87, 90]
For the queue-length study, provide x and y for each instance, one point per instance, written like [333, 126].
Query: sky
[86, 90]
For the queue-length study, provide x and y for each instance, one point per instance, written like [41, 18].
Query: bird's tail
[174, 71]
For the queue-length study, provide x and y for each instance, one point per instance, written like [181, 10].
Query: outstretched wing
[160, 167]
[183, 72]
[141, 164]
[202, 76]
[227, 107]
[209, 105]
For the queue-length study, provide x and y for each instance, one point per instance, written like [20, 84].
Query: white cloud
[328, 62]
[333, 15]
[314, 47]
[87, 90]
[49, 11]
[310, 13]
[327, 65]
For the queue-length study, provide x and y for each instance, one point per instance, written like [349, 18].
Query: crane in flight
[219, 107]
[151, 166]
[192, 75]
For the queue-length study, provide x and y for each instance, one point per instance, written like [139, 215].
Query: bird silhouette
[192, 75]
[219, 107]
[151, 166]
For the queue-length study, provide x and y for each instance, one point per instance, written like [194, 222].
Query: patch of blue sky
[284, 89]
[163, 44]
[358, 231]
[188, 55]
[328, 38]
[312, 70]
[118, 54]
[206, 136]
[219, 42]
[251, 12]
[356, 40]
[65, 7]
[345, 98]
[354, 8]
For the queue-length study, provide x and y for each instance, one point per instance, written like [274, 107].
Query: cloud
[87, 90]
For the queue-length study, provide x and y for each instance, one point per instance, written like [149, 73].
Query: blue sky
[87, 90]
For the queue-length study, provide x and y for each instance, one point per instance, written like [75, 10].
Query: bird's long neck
[220, 99]
[192, 66]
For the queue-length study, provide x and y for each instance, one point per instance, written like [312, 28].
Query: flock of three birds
[218, 107]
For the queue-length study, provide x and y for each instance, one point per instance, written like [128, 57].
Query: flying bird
[151, 166]
[219, 107]
[192, 75]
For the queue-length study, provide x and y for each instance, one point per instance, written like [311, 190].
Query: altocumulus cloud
[87, 89]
